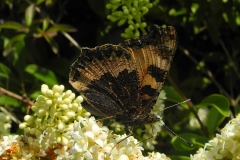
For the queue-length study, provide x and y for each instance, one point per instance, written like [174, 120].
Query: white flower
[225, 145]
[8, 143]
[157, 156]
[93, 141]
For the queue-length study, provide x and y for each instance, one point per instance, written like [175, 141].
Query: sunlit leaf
[29, 14]
[43, 74]
[45, 24]
[14, 25]
[220, 102]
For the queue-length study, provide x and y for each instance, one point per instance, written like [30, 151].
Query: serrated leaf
[29, 14]
[220, 102]
[43, 74]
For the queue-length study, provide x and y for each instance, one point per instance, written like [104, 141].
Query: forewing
[106, 77]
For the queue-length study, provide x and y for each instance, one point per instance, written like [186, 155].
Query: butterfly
[123, 81]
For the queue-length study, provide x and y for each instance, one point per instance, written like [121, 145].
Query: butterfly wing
[107, 79]
[123, 81]
[153, 54]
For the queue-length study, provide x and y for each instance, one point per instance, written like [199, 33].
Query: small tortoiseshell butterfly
[123, 81]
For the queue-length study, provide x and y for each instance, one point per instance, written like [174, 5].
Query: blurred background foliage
[40, 39]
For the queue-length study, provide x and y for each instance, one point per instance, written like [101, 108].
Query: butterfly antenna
[184, 140]
[130, 134]
[176, 104]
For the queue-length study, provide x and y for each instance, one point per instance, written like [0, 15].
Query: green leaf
[43, 74]
[61, 27]
[45, 24]
[218, 101]
[196, 140]
[35, 94]
[5, 100]
[173, 96]
[29, 14]
[13, 43]
[4, 71]
[214, 119]
[14, 25]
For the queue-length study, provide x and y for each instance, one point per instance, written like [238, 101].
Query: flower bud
[28, 118]
[23, 125]
[63, 106]
[79, 99]
[49, 93]
[59, 100]
[41, 112]
[61, 125]
[64, 141]
[38, 121]
[66, 101]
[34, 108]
[44, 88]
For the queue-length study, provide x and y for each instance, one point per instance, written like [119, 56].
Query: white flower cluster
[94, 141]
[54, 114]
[5, 124]
[225, 145]
[60, 129]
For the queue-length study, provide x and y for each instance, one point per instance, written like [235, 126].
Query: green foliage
[130, 11]
[36, 48]
[46, 76]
